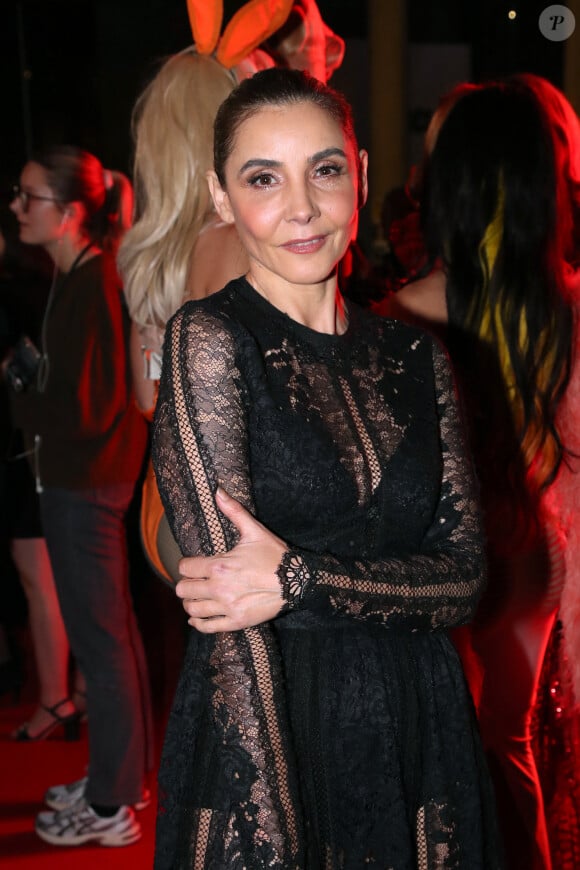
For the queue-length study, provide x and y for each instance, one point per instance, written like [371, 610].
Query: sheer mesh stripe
[366, 588]
[202, 838]
[371, 456]
[244, 684]
[264, 682]
[422, 851]
[192, 453]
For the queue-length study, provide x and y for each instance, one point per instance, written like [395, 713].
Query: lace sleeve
[439, 587]
[200, 440]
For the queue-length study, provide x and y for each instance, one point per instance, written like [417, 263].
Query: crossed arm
[258, 575]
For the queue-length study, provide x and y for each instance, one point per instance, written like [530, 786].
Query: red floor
[27, 769]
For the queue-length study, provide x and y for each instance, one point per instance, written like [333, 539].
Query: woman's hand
[238, 589]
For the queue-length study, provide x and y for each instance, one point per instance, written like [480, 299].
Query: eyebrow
[264, 163]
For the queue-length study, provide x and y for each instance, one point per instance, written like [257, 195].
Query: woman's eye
[262, 179]
[329, 169]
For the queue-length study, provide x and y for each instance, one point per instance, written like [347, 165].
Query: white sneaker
[61, 797]
[80, 824]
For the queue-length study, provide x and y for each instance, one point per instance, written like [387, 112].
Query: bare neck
[319, 307]
[66, 250]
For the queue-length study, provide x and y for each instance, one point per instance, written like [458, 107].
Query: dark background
[71, 69]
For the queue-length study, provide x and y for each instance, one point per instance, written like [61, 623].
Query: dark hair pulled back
[75, 175]
[275, 87]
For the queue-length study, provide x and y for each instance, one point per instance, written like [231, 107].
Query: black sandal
[70, 725]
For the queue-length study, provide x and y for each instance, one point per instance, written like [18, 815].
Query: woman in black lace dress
[322, 718]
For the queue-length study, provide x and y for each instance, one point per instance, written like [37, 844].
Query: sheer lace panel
[367, 445]
[350, 449]
[438, 588]
[202, 839]
[200, 440]
[320, 395]
[436, 838]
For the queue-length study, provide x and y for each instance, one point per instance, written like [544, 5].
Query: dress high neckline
[312, 336]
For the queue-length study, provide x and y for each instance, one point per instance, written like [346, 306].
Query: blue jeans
[86, 537]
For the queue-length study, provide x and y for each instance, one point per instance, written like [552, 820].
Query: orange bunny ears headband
[301, 39]
[306, 42]
[251, 25]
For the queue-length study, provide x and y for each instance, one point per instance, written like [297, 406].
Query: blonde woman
[177, 248]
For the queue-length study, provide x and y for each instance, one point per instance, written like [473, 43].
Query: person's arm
[420, 303]
[144, 347]
[437, 587]
[200, 440]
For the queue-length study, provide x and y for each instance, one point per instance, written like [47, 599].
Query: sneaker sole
[104, 839]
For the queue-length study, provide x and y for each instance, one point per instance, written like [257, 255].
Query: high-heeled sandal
[70, 725]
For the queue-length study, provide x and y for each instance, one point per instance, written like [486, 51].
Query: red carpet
[28, 769]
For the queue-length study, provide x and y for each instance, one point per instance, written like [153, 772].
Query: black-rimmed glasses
[26, 197]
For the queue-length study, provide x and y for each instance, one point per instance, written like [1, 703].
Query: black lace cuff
[295, 579]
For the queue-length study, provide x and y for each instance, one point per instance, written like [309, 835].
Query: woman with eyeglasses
[24, 281]
[88, 444]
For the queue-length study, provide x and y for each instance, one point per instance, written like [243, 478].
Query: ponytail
[75, 175]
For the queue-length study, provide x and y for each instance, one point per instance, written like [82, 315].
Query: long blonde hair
[173, 134]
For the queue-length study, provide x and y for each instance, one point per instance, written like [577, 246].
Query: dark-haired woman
[501, 213]
[25, 274]
[88, 442]
[310, 459]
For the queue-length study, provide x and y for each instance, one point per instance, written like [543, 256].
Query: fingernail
[221, 493]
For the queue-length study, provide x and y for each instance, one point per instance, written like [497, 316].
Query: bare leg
[49, 638]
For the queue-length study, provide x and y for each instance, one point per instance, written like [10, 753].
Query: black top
[340, 734]
[91, 431]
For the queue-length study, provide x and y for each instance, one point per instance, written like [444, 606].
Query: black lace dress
[340, 735]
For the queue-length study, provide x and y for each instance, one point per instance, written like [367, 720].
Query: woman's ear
[75, 212]
[363, 183]
[220, 198]
[71, 218]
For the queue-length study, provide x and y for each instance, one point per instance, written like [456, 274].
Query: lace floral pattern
[439, 585]
[290, 744]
